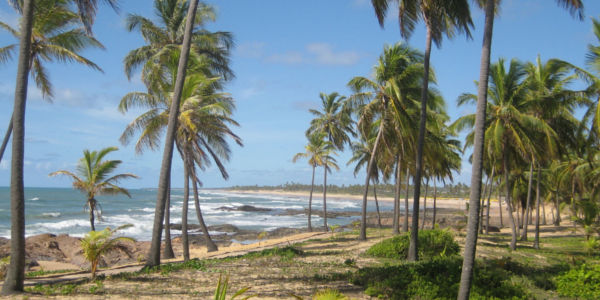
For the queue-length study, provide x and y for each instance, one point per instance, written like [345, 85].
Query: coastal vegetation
[93, 178]
[535, 139]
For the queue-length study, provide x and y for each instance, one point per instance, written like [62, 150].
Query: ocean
[61, 210]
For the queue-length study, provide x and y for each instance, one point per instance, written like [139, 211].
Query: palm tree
[165, 170]
[441, 17]
[336, 123]
[96, 244]
[396, 81]
[164, 40]
[317, 150]
[93, 178]
[575, 7]
[15, 274]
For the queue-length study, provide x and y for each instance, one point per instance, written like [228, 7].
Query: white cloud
[251, 49]
[290, 58]
[324, 54]
[316, 53]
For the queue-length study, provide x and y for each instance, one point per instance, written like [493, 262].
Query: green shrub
[432, 243]
[437, 278]
[582, 282]
[329, 294]
[287, 252]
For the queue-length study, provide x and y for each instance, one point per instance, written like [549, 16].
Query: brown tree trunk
[165, 170]
[511, 219]
[325, 197]
[91, 207]
[413, 249]
[210, 245]
[15, 274]
[405, 225]
[536, 240]
[482, 204]
[312, 187]
[184, 212]
[425, 204]
[434, 204]
[363, 226]
[528, 208]
[500, 205]
[487, 213]
[168, 251]
[557, 205]
[477, 161]
[398, 183]
[6, 138]
[376, 205]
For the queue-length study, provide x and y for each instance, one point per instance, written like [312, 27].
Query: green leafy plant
[582, 282]
[592, 245]
[433, 243]
[97, 243]
[221, 290]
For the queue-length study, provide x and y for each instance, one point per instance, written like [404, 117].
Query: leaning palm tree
[395, 85]
[317, 150]
[93, 178]
[575, 7]
[441, 17]
[336, 123]
[15, 274]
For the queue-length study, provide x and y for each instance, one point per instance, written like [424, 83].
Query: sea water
[61, 210]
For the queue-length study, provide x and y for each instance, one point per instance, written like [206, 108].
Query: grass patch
[432, 243]
[34, 274]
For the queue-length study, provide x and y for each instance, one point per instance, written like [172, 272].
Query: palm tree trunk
[168, 251]
[544, 213]
[486, 188]
[91, 207]
[6, 138]
[413, 253]
[376, 205]
[184, 213]
[557, 204]
[165, 170]
[536, 240]
[363, 225]
[513, 240]
[325, 197]
[500, 205]
[434, 204]
[526, 215]
[396, 222]
[312, 187]
[210, 245]
[405, 225]
[487, 213]
[425, 204]
[477, 162]
[15, 274]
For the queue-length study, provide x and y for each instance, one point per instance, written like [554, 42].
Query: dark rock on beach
[244, 208]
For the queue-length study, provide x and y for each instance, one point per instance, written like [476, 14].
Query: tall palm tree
[165, 170]
[396, 84]
[93, 178]
[336, 123]
[15, 274]
[317, 150]
[441, 17]
[575, 7]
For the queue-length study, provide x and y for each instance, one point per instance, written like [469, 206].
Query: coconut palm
[93, 177]
[164, 39]
[335, 121]
[15, 274]
[96, 244]
[575, 7]
[441, 17]
[395, 84]
[317, 150]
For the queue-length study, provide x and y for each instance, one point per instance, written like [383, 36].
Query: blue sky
[287, 52]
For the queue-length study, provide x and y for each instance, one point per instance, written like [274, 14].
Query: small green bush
[437, 278]
[432, 243]
[582, 282]
[287, 252]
